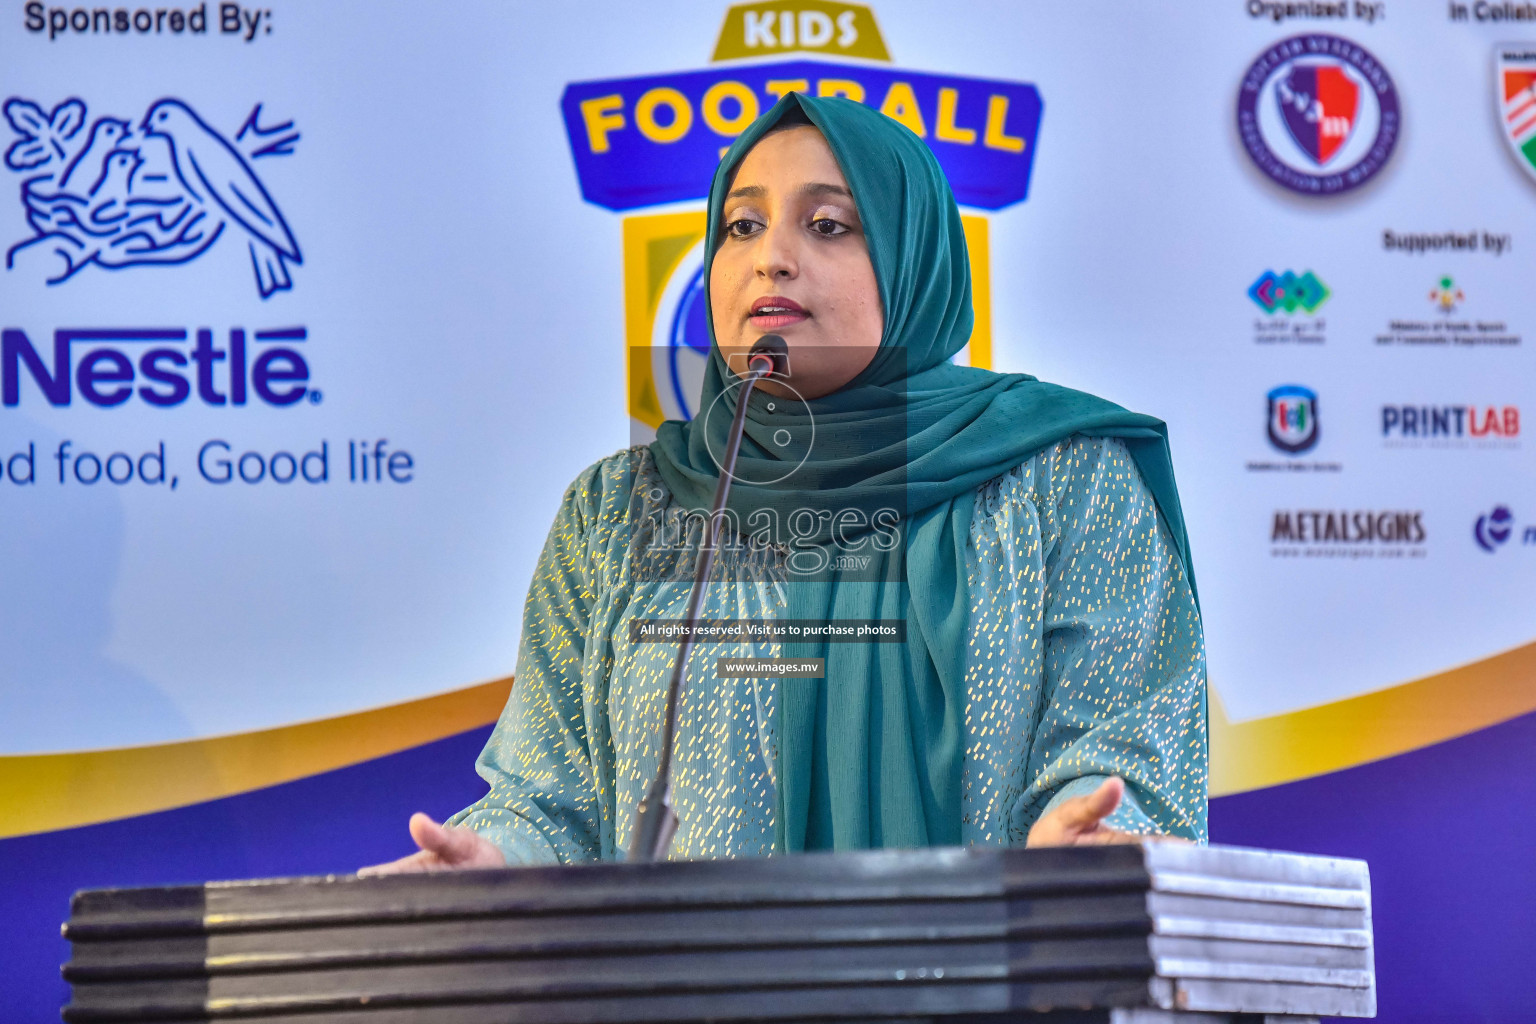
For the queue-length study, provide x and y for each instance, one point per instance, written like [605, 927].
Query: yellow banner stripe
[45, 792]
[1313, 741]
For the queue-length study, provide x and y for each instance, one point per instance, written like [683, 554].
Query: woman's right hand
[443, 848]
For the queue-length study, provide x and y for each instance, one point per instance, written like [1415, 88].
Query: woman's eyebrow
[819, 188]
[815, 188]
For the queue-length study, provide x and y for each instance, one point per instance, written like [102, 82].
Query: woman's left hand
[443, 848]
[1080, 821]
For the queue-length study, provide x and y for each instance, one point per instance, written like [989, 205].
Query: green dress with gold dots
[1085, 659]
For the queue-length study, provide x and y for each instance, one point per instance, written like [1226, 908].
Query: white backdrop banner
[310, 313]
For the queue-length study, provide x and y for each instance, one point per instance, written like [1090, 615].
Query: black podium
[1135, 934]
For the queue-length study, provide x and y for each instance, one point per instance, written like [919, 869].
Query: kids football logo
[656, 139]
[1318, 114]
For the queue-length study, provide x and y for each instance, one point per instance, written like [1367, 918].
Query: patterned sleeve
[1124, 687]
[543, 806]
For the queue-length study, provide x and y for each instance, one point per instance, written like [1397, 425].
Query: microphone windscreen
[776, 349]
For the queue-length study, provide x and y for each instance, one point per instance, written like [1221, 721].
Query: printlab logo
[1318, 114]
[159, 192]
[1288, 292]
[1462, 425]
[1446, 296]
[1515, 81]
[1292, 418]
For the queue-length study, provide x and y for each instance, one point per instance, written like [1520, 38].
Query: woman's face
[794, 263]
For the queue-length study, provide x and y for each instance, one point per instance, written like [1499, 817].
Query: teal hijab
[871, 755]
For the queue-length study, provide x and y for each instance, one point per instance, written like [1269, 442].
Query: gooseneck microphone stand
[655, 818]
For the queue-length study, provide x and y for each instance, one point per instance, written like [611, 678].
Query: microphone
[772, 352]
[655, 818]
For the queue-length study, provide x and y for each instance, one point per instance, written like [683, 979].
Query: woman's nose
[776, 257]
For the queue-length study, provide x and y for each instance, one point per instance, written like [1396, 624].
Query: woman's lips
[775, 311]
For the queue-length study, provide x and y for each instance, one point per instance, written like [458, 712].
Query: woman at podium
[1049, 687]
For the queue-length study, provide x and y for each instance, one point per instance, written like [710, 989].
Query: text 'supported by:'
[768, 631]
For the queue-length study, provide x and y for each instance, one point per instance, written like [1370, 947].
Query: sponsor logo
[1453, 327]
[1292, 418]
[1286, 298]
[1364, 533]
[1318, 114]
[113, 366]
[1492, 529]
[657, 139]
[158, 191]
[1446, 296]
[1495, 528]
[1291, 424]
[1447, 426]
[1288, 292]
[1514, 82]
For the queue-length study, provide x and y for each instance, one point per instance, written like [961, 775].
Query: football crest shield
[1514, 77]
[1319, 104]
[1293, 418]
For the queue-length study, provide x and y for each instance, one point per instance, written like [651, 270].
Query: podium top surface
[940, 873]
[932, 933]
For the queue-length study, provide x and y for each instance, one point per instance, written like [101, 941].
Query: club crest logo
[1293, 418]
[1318, 114]
[1319, 103]
[159, 191]
[1515, 79]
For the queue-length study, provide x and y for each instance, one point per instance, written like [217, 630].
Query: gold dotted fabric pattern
[1086, 659]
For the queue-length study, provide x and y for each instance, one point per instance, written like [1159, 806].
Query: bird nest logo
[153, 193]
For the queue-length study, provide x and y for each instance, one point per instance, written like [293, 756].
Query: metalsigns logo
[1318, 114]
[656, 139]
[1329, 533]
[153, 193]
[1292, 418]
[1288, 292]
[1515, 84]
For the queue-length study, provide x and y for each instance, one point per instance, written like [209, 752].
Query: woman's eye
[741, 228]
[828, 226]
